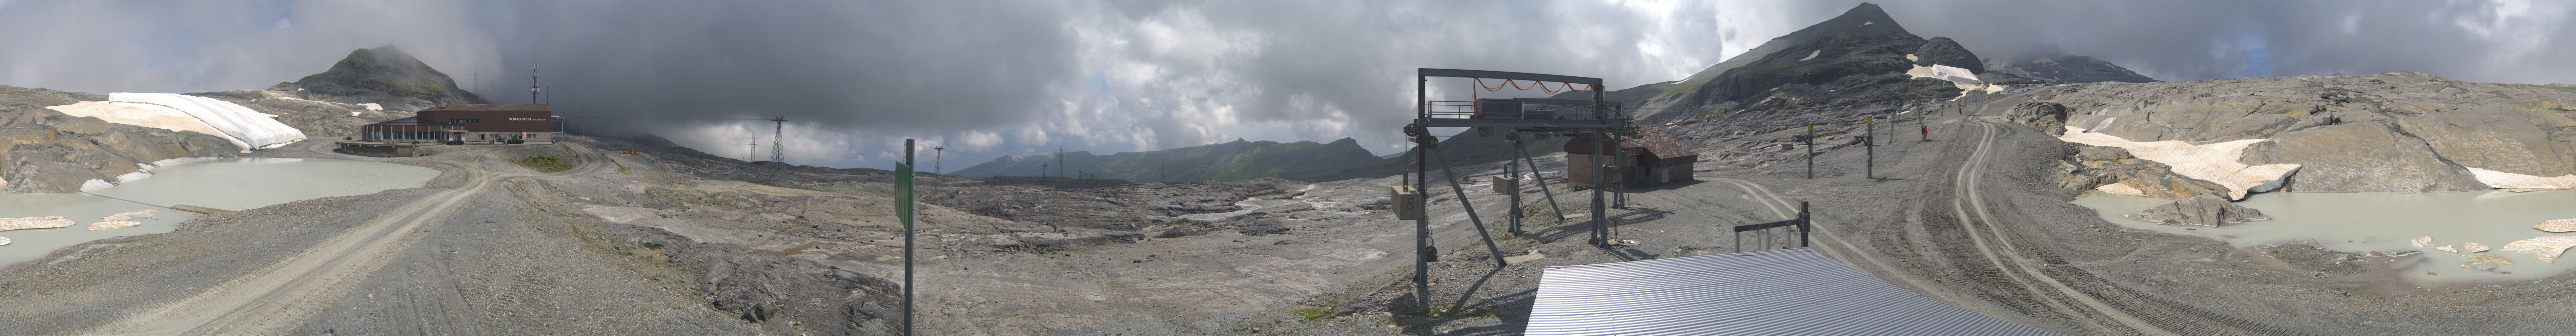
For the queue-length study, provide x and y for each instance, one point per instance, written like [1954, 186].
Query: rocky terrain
[2394, 132]
[2071, 69]
[48, 151]
[384, 76]
[2203, 210]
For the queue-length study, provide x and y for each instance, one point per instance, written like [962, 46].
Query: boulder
[2112, 169]
[2046, 116]
[2364, 156]
[2204, 210]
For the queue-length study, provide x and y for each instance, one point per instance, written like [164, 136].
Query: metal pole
[1869, 144]
[1542, 183]
[1600, 180]
[1804, 224]
[1513, 170]
[1422, 249]
[907, 251]
[1470, 207]
[1811, 150]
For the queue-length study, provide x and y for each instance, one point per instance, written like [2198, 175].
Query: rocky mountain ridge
[384, 76]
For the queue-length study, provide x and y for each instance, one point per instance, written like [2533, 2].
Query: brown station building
[1649, 159]
[470, 123]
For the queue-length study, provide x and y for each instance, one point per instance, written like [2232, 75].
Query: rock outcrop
[2203, 210]
[2046, 116]
[1943, 51]
[2393, 132]
[2111, 169]
[47, 151]
[385, 76]
[2369, 156]
[2072, 69]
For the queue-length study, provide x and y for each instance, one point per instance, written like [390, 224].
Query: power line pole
[532, 83]
[778, 139]
[1059, 157]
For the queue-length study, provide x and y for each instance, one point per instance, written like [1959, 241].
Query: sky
[986, 79]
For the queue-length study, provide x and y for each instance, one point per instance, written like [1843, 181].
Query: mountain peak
[384, 75]
[1866, 14]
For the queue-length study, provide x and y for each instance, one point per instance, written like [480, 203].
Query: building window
[465, 121]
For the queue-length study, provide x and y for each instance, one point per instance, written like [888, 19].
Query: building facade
[470, 123]
[1650, 158]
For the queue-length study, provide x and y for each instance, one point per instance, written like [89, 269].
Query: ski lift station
[456, 124]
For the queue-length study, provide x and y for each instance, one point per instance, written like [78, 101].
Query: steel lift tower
[1594, 118]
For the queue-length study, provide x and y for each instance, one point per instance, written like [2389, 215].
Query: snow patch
[146, 115]
[2504, 180]
[95, 185]
[112, 225]
[1911, 58]
[2556, 225]
[2214, 162]
[22, 223]
[1812, 54]
[131, 177]
[260, 130]
[2121, 189]
[370, 107]
[2547, 248]
[1944, 72]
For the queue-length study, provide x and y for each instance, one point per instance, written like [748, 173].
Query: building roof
[1779, 292]
[408, 121]
[1652, 139]
[493, 107]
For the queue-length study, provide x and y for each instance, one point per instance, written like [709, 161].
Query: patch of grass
[1313, 313]
[423, 152]
[545, 163]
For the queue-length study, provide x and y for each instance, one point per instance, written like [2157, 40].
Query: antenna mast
[532, 83]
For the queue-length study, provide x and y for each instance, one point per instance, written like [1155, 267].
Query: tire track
[277, 297]
[2018, 269]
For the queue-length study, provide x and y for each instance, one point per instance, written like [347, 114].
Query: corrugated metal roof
[1780, 292]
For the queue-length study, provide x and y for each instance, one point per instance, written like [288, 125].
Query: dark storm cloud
[993, 78]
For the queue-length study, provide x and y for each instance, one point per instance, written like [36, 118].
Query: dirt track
[282, 295]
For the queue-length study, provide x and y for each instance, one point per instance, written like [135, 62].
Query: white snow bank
[146, 115]
[371, 107]
[2547, 248]
[112, 225]
[128, 215]
[175, 161]
[4, 240]
[23, 223]
[1812, 54]
[131, 177]
[260, 131]
[1944, 72]
[2121, 189]
[2211, 162]
[2504, 180]
[95, 185]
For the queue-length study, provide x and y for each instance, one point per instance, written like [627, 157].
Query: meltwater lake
[2385, 223]
[229, 184]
